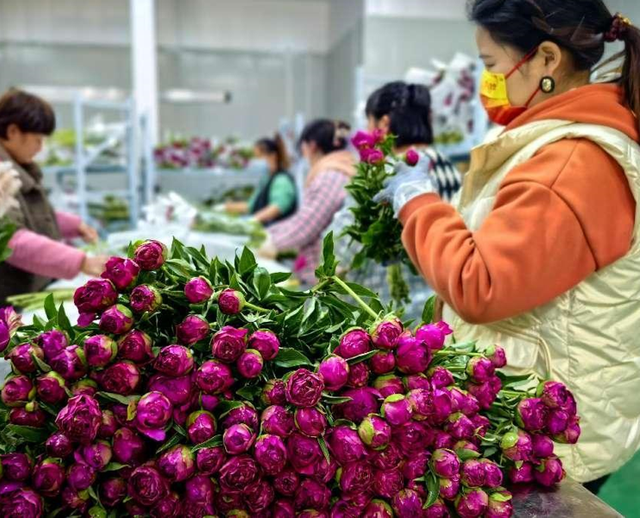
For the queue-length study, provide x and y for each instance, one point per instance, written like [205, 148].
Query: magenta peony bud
[364, 140]
[266, 342]
[271, 453]
[500, 505]
[497, 356]
[174, 360]
[516, 446]
[531, 414]
[411, 157]
[153, 412]
[231, 302]
[571, 435]
[59, 446]
[277, 420]
[146, 486]
[557, 421]
[440, 377]
[358, 375]
[192, 330]
[201, 426]
[22, 357]
[388, 385]
[96, 455]
[542, 446]
[209, 403]
[145, 298]
[136, 346]
[310, 421]
[550, 472]
[95, 296]
[113, 491]
[465, 449]
[257, 498]
[121, 272]
[210, 460]
[214, 377]
[85, 387]
[442, 405]
[178, 390]
[443, 440]
[304, 388]
[372, 156]
[382, 362]
[434, 335]
[238, 473]
[449, 487]
[415, 466]
[364, 401]
[304, 453]
[420, 400]
[445, 463]
[397, 410]
[80, 476]
[312, 495]
[407, 504]
[346, 445]
[387, 483]
[413, 437]
[28, 417]
[473, 473]
[460, 426]
[353, 343]
[482, 425]
[128, 447]
[385, 334]
[228, 344]
[522, 474]
[198, 290]
[472, 503]
[48, 477]
[355, 477]
[16, 467]
[244, 414]
[167, 507]
[70, 363]
[480, 369]
[463, 402]
[484, 394]
[375, 432]
[389, 458]
[99, 350]
[273, 393]
[177, 464]
[116, 320]
[553, 394]
[18, 391]
[286, 482]
[52, 342]
[378, 509]
[150, 255]
[334, 371]
[121, 377]
[325, 470]
[238, 438]
[412, 355]
[250, 364]
[80, 419]
[493, 474]
[23, 502]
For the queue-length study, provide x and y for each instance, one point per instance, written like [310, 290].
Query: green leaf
[261, 282]
[50, 307]
[490, 451]
[499, 496]
[361, 357]
[28, 433]
[288, 357]
[92, 494]
[215, 441]
[433, 488]
[175, 440]
[40, 363]
[63, 321]
[277, 278]
[361, 291]
[247, 262]
[248, 392]
[224, 407]
[329, 262]
[325, 450]
[429, 310]
[117, 398]
[335, 400]
[114, 466]
[464, 454]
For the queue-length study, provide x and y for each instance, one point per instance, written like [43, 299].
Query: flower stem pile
[194, 387]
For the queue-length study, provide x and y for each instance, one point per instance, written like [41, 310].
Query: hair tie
[619, 27]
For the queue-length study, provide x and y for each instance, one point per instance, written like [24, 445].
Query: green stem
[320, 285]
[349, 291]
[513, 393]
[449, 352]
[256, 308]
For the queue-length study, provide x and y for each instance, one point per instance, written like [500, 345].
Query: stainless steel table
[569, 500]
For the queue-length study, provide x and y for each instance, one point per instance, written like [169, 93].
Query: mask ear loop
[528, 57]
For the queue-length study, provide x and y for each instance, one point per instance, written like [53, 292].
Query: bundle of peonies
[226, 395]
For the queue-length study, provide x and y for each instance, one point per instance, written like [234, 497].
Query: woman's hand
[88, 233]
[94, 266]
[408, 183]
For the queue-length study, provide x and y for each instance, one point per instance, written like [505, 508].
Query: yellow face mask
[495, 96]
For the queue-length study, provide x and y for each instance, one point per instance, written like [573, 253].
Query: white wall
[434, 9]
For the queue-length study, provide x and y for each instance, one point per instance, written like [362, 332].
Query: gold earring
[547, 84]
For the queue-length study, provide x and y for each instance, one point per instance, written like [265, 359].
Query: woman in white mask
[275, 197]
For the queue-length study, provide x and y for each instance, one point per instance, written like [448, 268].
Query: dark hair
[27, 111]
[409, 110]
[328, 135]
[581, 27]
[275, 146]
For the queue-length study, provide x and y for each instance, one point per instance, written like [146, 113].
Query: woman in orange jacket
[542, 252]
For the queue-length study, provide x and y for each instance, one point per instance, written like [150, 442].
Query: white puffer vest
[589, 337]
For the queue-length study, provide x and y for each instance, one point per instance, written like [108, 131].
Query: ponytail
[275, 146]
[630, 79]
[328, 135]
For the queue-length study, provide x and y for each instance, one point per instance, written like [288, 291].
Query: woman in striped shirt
[323, 144]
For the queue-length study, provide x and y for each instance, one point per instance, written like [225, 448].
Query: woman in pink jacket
[39, 254]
